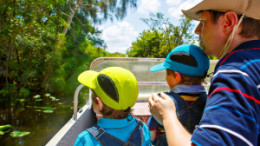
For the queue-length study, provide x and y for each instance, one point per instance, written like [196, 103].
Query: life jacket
[189, 115]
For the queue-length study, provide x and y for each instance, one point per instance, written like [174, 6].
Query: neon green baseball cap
[115, 86]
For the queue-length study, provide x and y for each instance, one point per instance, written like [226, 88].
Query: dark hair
[110, 112]
[250, 26]
[188, 80]
[106, 111]
[215, 15]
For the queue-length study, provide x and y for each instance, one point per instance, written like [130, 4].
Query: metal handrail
[75, 101]
[102, 59]
[150, 83]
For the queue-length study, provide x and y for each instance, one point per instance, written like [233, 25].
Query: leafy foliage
[161, 38]
[37, 55]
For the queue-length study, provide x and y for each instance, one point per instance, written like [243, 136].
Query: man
[229, 30]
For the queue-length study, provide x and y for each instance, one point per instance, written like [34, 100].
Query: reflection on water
[42, 126]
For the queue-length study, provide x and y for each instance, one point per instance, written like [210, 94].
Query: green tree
[148, 44]
[27, 37]
[43, 41]
[87, 11]
[161, 38]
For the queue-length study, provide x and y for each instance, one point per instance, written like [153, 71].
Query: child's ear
[178, 77]
[100, 103]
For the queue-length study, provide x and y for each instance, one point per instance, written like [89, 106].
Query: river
[32, 118]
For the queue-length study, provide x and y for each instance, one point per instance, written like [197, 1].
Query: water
[42, 126]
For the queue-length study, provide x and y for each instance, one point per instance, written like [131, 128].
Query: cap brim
[87, 78]
[158, 67]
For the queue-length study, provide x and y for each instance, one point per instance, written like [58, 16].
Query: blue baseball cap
[186, 59]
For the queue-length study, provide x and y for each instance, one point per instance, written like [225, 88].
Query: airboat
[148, 83]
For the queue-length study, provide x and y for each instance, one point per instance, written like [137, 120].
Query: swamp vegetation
[45, 44]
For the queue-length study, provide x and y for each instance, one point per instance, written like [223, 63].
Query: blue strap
[103, 137]
[136, 137]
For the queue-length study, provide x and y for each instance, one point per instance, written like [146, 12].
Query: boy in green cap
[114, 92]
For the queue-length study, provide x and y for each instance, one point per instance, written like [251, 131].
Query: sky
[119, 35]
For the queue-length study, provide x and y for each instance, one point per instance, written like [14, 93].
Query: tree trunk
[65, 30]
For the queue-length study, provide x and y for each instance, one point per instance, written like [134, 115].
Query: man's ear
[177, 77]
[230, 20]
[100, 103]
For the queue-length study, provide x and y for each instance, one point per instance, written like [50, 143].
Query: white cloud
[175, 10]
[148, 6]
[119, 37]
[173, 2]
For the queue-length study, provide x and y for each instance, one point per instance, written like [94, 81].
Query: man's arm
[164, 111]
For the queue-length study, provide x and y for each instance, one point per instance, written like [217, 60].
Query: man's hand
[161, 107]
[164, 111]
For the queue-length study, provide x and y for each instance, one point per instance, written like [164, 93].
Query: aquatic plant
[47, 94]
[19, 133]
[47, 109]
[36, 96]
[5, 128]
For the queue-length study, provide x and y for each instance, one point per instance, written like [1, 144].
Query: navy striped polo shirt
[232, 112]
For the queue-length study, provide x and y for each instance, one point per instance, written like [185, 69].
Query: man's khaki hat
[250, 8]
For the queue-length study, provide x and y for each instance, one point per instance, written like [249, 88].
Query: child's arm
[153, 134]
[153, 125]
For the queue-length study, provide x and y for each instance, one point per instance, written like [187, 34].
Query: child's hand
[161, 108]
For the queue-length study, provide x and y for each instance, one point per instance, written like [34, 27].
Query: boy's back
[186, 67]
[118, 128]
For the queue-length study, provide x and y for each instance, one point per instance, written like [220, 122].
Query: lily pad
[38, 110]
[56, 99]
[36, 96]
[47, 94]
[2, 132]
[39, 100]
[19, 133]
[46, 107]
[5, 127]
[52, 98]
[21, 100]
[48, 111]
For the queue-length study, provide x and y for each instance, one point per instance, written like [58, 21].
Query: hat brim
[158, 67]
[87, 78]
[193, 12]
[217, 5]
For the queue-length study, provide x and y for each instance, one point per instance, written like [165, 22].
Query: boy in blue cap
[186, 68]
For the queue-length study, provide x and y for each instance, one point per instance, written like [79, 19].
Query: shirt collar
[248, 44]
[243, 46]
[192, 89]
[116, 123]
